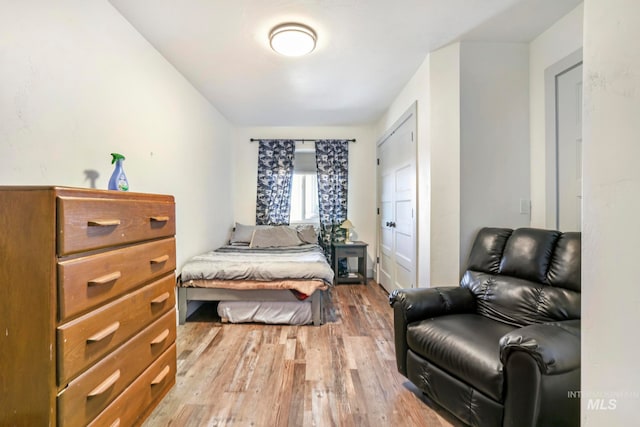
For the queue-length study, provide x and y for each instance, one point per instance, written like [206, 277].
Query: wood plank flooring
[342, 373]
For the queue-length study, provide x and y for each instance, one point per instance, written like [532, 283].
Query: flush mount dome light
[292, 39]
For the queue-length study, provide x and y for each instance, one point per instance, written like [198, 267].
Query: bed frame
[186, 294]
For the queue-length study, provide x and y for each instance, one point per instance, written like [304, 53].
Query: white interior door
[397, 207]
[569, 149]
[386, 244]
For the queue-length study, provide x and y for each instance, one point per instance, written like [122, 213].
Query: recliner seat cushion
[464, 345]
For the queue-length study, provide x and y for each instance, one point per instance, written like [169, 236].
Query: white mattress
[272, 312]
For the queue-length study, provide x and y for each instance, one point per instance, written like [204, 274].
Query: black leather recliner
[503, 348]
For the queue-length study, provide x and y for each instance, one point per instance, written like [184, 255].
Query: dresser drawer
[88, 338]
[92, 391]
[92, 223]
[84, 283]
[134, 402]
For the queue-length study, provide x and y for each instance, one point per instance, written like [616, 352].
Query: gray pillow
[242, 234]
[307, 233]
[275, 237]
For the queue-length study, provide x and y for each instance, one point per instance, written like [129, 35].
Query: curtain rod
[299, 139]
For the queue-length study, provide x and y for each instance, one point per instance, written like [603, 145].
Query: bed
[266, 274]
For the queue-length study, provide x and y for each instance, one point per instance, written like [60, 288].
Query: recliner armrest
[410, 305]
[554, 346]
[418, 304]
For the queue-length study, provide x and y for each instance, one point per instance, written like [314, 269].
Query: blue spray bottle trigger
[118, 179]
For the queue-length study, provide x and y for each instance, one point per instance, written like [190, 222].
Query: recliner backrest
[525, 276]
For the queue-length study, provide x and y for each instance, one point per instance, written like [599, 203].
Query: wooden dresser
[87, 306]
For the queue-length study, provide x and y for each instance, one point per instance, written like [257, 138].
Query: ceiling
[367, 49]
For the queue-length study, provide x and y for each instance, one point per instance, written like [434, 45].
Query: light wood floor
[342, 373]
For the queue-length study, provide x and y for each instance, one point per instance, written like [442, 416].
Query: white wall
[560, 40]
[444, 142]
[78, 82]
[494, 138]
[610, 291]
[416, 90]
[362, 174]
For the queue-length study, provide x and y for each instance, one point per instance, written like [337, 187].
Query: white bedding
[304, 262]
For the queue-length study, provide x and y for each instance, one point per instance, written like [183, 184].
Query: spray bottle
[118, 179]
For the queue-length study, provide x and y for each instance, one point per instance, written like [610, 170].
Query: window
[304, 189]
[304, 198]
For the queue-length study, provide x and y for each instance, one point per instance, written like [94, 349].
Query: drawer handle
[160, 338]
[103, 280]
[116, 423]
[160, 259]
[104, 333]
[161, 376]
[105, 385]
[103, 222]
[162, 298]
[159, 219]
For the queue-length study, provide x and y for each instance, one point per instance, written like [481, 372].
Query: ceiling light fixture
[292, 39]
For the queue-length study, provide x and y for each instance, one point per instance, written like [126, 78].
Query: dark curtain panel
[332, 161]
[275, 176]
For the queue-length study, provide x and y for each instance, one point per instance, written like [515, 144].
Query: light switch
[525, 206]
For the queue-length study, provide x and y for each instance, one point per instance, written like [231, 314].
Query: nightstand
[350, 250]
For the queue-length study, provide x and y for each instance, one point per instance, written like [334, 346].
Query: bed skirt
[186, 294]
[270, 312]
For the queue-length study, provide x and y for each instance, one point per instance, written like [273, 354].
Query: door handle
[392, 224]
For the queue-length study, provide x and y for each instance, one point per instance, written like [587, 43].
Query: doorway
[563, 82]
[569, 149]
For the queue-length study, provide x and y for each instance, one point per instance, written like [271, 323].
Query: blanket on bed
[305, 262]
